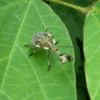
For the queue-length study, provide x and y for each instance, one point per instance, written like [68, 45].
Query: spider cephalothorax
[44, 40]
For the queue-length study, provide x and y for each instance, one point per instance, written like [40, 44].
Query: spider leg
[48, 60]
[62, 46]
[53, 59]
[30, 46]
[35, 51]
[56, 42]
[65, 46]
[47, 31]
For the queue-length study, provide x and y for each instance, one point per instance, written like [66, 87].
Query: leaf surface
[26, 78]
[92, 51]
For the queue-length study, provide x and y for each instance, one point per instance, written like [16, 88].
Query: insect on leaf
[26, 77]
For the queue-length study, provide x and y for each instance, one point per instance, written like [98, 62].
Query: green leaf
[92, 51]
[23, 77]
[74, 22]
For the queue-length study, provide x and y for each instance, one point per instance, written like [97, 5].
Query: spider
[44, 40]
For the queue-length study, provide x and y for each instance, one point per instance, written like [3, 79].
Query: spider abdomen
[43, 39]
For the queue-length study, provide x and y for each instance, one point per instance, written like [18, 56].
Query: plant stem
[82, 9]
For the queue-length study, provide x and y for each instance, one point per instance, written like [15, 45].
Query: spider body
[44, 40]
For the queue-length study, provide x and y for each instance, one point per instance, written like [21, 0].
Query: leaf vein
[14, 46]
[11, 4]
[34, 72]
